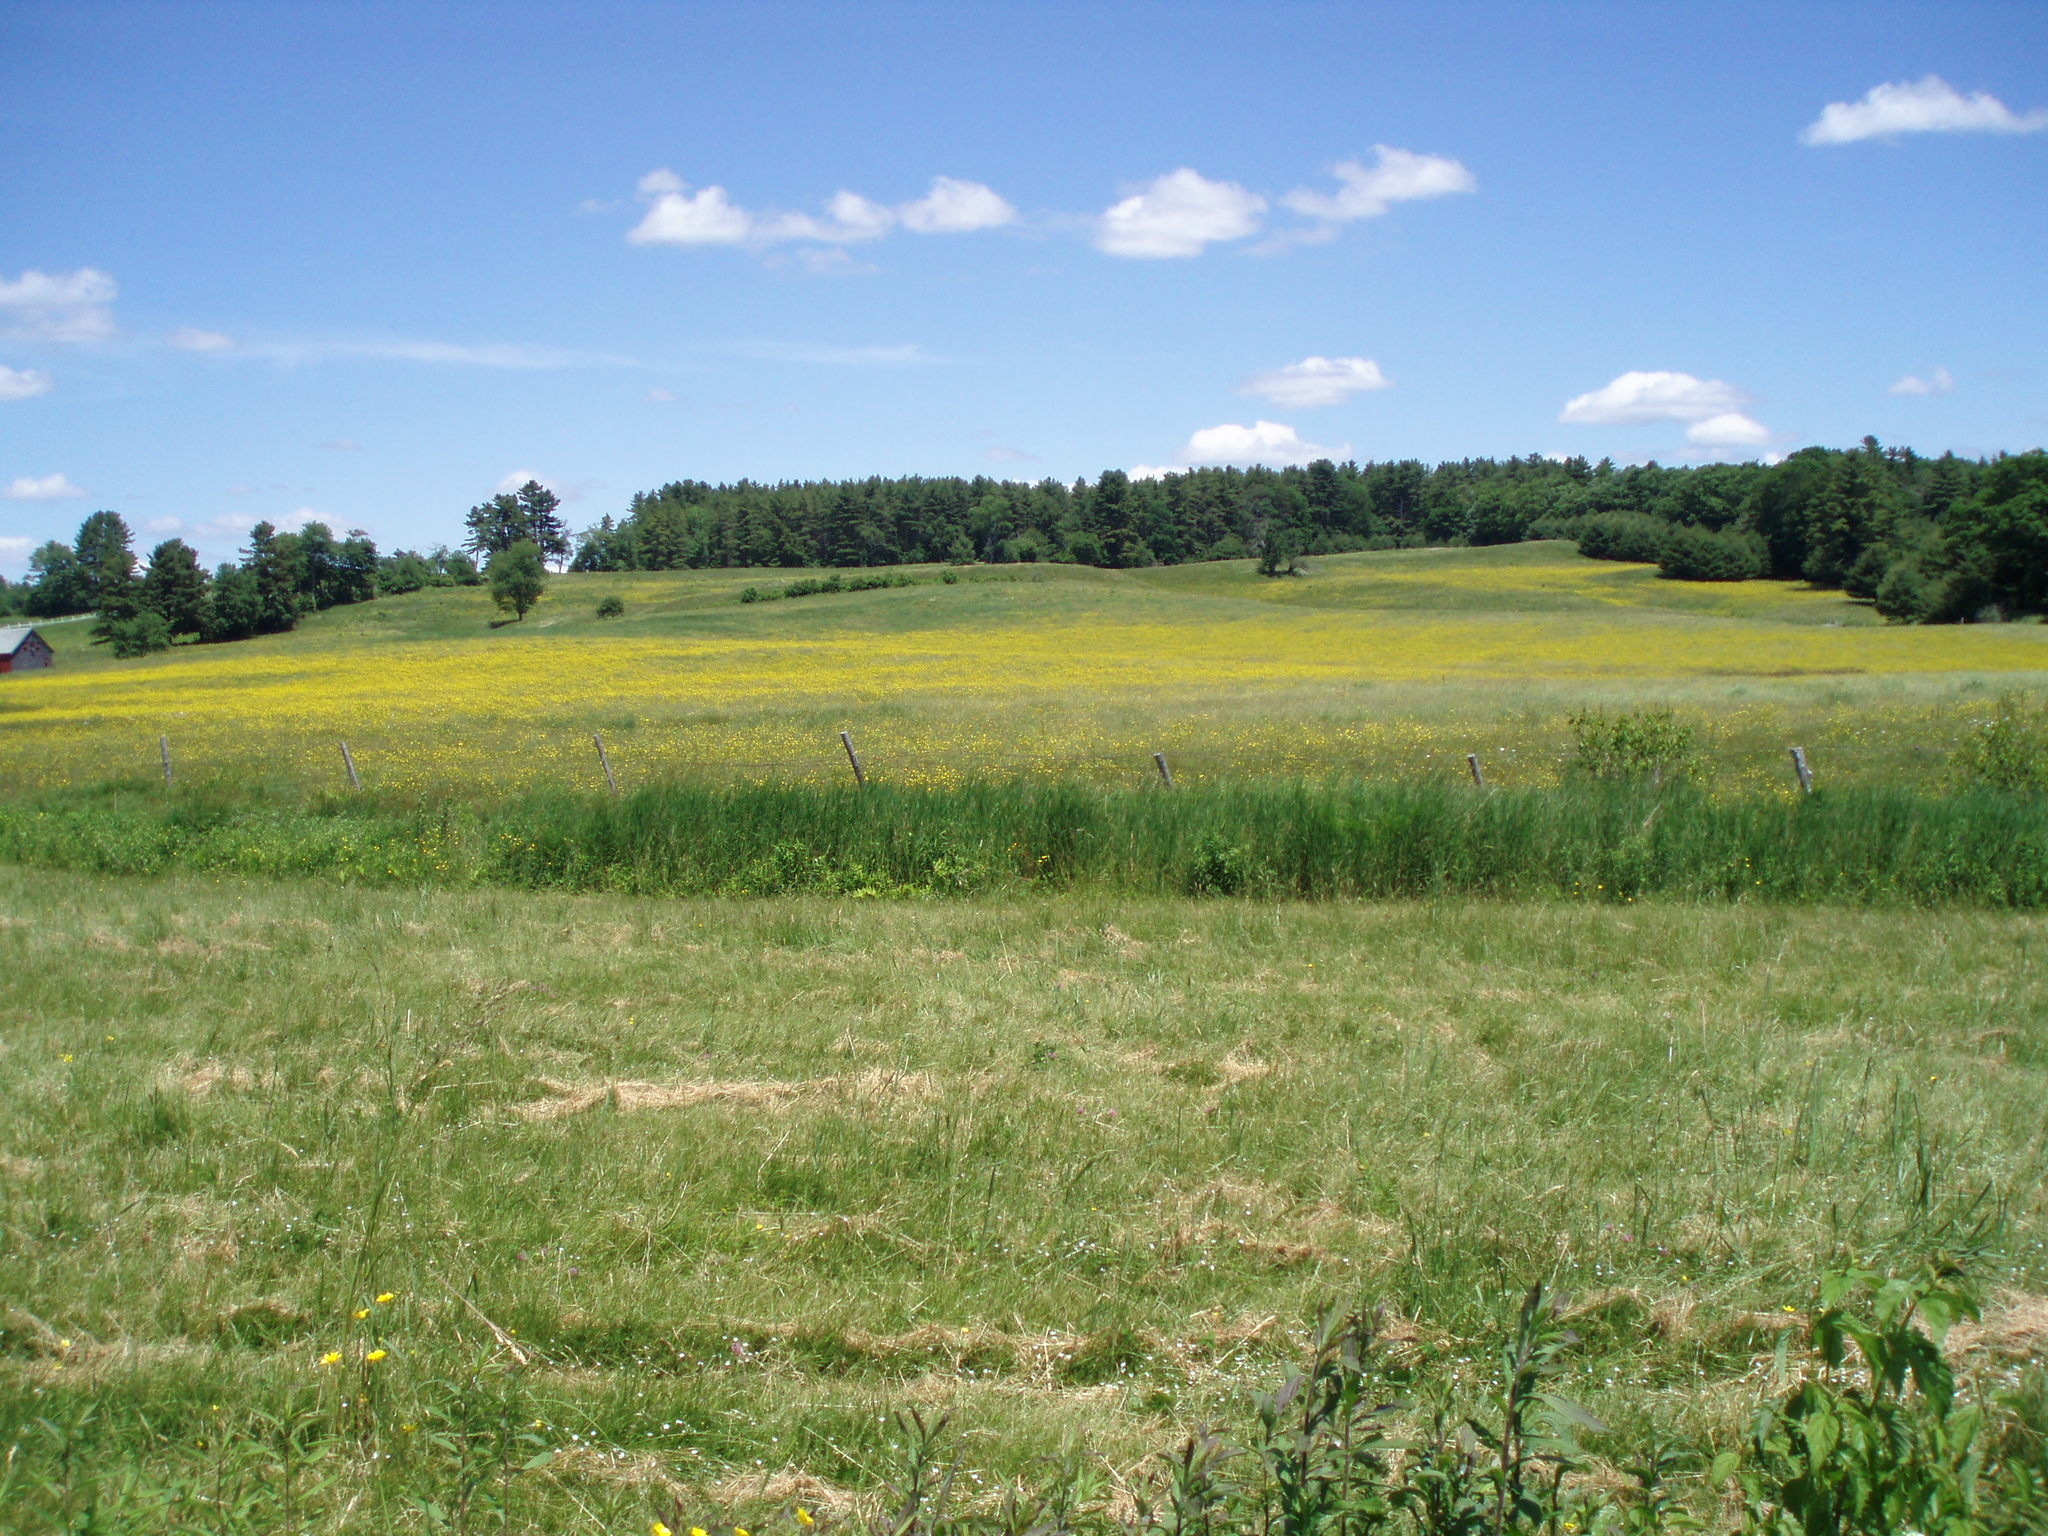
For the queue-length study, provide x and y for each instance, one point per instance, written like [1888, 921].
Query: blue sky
[368, 262]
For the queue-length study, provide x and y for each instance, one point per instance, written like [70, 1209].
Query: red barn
[22, 649]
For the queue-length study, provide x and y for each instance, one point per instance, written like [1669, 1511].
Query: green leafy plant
[1877, 1444]
[1648, 743]
[611, 608]
[2009, 750]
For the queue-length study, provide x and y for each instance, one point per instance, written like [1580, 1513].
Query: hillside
[1390, 663]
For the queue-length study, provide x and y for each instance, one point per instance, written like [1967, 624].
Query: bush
[1650, 743]
[1698, 554]
[612, 608]
[2008, 751]
[139, 636]
[1622, 536]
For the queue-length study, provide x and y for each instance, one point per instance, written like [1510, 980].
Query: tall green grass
[1303, 839]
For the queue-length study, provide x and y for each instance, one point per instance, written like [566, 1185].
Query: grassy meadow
[1389, 665]
[481, 1151]
[322, 1205]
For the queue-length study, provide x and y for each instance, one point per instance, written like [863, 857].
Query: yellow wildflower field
[1393, 663]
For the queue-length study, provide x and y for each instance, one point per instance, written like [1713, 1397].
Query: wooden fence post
[860, 779]
[350, 764]
[1165, 773]
[605, 763]
[163, 745]
[1805, 773]
[1478, 774]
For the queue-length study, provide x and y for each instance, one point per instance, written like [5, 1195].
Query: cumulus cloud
[955, 207]
[1263, 442]
[14, 553]
[1178, 214]
[59, 306]
[1939, 382]
[708, 216]
[42, 488]
[1367, 191]
[1316, 381]
[189, 338]
[1731, 429]
[519, 477]
[1927, 105]
[23, 383]
[1655, 396]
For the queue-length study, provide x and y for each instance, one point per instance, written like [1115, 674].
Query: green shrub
[1634, 744]
[611, 608]
[140, 635]
[1622, 536]
[1700, 554]
[2009, 750]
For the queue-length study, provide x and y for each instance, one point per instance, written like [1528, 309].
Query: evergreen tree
[271, 560]
[234, 609]
[57, 583]
[106, 559]
[494, 525]
[175, 587]
[541, 521]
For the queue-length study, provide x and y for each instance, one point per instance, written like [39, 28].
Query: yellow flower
[803, 1516]
[406, 1429]
[658, 1529]
[332, 1357]
[360, 1313]
[696, 1530]
[739, 1530]
[374, 1355]
[387, 1298]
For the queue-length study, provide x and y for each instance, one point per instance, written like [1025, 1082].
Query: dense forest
[1925, 540]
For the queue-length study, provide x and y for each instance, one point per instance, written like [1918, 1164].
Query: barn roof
[14, 638]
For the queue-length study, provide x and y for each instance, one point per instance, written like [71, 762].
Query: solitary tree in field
[518, 577]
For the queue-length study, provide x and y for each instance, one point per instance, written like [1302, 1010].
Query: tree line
[1926, 539]
[1929, 540]
[139, 608]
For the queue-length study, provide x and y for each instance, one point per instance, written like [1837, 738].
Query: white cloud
[708, 216]
[189, 338]
[164, 524]
[1731, 429]
[1639, 397]
[1928, 105]
[23, 383]
[42, 488]
[955, 207]
[519, 477]
[1151, 471]
[1316, 381]
[60, 306]
[1178, 214]
[1263, 442]
[1367, 191]
[1939, 382]
[14, 553]
[704, 217]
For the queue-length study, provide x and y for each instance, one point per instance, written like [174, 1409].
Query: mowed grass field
[1394, 664]
[319, 1206]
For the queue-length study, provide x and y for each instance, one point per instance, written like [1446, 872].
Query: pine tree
[175, 587]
